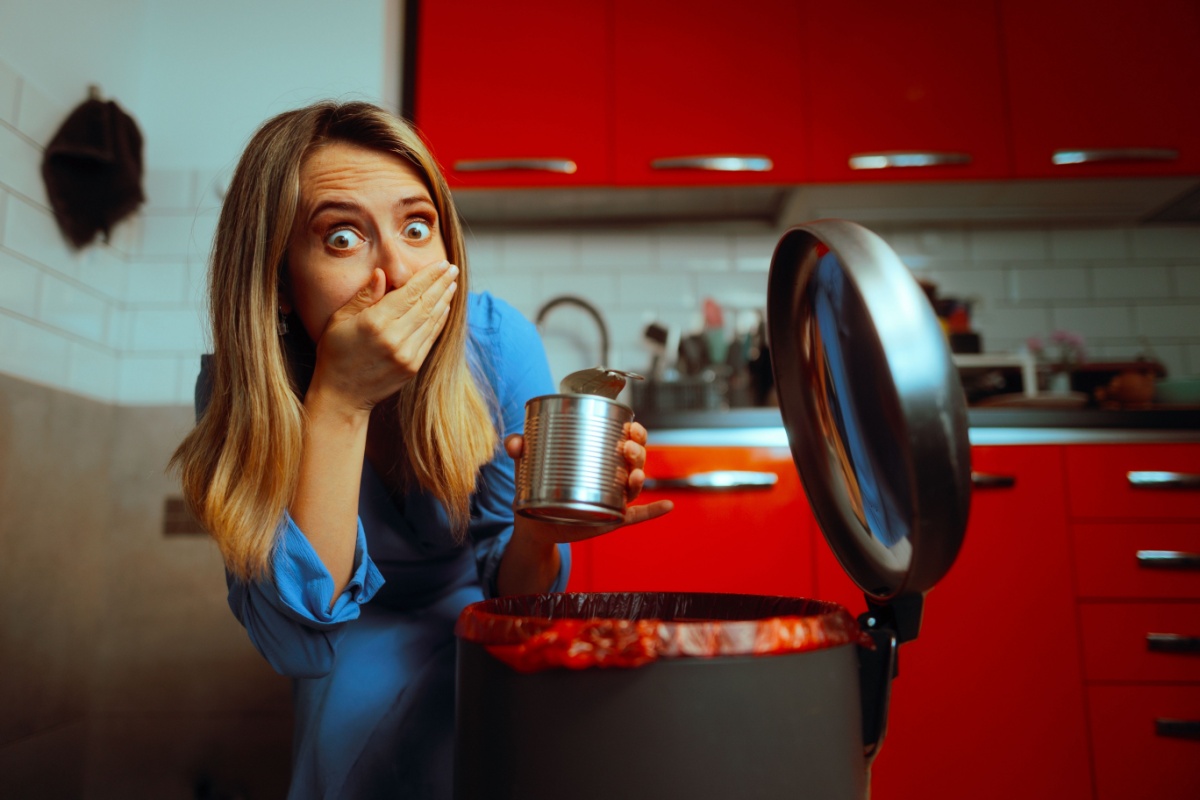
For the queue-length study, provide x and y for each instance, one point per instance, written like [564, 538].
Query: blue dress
[374, 675]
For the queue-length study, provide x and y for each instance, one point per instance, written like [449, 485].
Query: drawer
[1131, 754]
[1099, 485]
[1108, 564]
[1141, 641]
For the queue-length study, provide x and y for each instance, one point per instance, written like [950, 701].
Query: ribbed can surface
[572, 470]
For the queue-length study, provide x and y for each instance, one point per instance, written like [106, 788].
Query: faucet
[567, 299]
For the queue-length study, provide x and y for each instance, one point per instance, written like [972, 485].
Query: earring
[281, 325]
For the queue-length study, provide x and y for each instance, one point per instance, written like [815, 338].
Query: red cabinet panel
[921, 77]
[989, 702]
[1100, 487]
[753, 541]
[1107, 565]
[703, 78]
[1102, 76]
[526, 81]
[1115, 646]
[1131, 759]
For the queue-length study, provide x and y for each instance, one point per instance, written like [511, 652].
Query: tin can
[573, 470]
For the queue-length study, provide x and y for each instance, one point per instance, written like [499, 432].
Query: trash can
[651, 695]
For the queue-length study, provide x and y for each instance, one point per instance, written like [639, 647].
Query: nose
[398, 265]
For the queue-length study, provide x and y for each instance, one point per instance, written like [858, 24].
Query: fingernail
[453, 271]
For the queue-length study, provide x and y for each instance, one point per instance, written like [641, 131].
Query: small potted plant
[1058, 357]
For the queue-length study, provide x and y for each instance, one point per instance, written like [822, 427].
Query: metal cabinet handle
[726, 163]
[1163, 480]
[1107, 155]
[717, 481]
[1177, 728]
[903, 160]
[1172, 643]
[986, 480]
[564, 166]
[1168, 559]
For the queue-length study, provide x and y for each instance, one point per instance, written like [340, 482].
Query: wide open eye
[417, 231]
[344, 239]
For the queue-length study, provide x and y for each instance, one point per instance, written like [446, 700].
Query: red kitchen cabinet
[510, 94]
[1141, 743]
[1107, 88]
[989, 702]
[700, 78]
[750, 540]
[905, 91]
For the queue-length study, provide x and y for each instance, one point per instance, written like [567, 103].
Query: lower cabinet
[1055, 659]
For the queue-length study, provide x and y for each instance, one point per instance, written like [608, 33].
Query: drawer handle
[716, 163]
[1172, 643]
[1177, 728]
[986, 480]
[564, 166]
[1168, 559]
[1163, 480]
[1105, 155]
[717, 481]
[905, 160]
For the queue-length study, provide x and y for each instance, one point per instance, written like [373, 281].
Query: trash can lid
[872, 404]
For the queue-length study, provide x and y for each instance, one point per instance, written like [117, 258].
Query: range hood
[1091, 201]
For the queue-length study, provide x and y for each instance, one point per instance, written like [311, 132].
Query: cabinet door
[989, 700]
[696, 78]
[750, 540]
[507, 92]
[1114, 82]
[1145, 741]
[895, 85]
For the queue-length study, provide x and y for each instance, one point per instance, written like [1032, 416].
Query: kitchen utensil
[573, 470]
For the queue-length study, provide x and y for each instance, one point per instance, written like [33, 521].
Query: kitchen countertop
[764, 426]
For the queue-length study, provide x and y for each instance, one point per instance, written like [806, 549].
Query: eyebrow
[351, 206]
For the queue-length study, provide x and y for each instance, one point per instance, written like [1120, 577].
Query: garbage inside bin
[630, 629]
[720, 696]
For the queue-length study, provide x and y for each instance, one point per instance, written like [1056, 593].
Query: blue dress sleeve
[513, 362]
[291, 614]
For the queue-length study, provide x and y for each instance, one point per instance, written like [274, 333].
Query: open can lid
[874, 410]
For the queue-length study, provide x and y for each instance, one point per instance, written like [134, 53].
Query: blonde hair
[239, 465]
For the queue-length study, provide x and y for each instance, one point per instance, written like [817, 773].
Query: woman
[347, 454]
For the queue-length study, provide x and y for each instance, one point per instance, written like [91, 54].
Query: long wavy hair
[239, 466]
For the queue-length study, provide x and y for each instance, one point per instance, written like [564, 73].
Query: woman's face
[359, 210]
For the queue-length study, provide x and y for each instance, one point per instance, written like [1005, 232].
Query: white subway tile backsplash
[19, 284]
[743, 290]
[1097, 322]
[183, 235]
[156, 331]
[33, 232]
[752, 251]
[1167, 242]
[67, 307]
[189, 371]
[658, 291]
[694, 251]
[521, 291]
[1014, 245]
[1131, 282]
[38, 116]
[617, 250]
[92, 371]
[929, 246]
[988, 286]
[10, 91]
[599, 289]
[1191, 366]
[1080, 243]
[1047, 283]
[1009, 324]
[33, 352]
[104, 270]
[530, 252]
[1187, 279]
[196, 293]
[1165, 320]
[169, 189]
[484, 252]
[20, 162]
[158, 282]
[148, 380]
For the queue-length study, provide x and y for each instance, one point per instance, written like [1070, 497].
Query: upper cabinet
[908, 91]
[515, 94]
[785, 92]
[708, 92]
[1103, 88]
